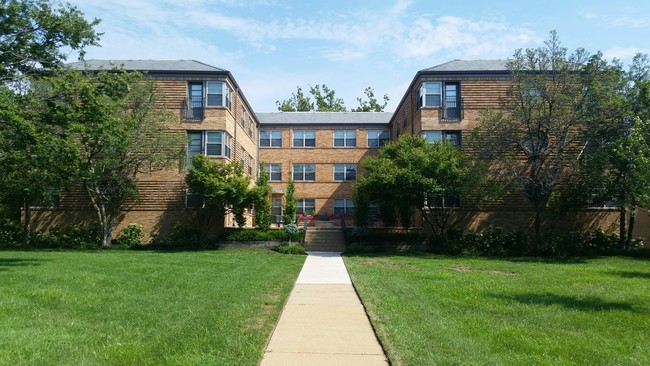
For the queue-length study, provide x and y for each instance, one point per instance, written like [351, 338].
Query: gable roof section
[469, 66]
[324, 118]
[163, 66]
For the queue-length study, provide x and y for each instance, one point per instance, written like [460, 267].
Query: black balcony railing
[452, 110]
[193, 109]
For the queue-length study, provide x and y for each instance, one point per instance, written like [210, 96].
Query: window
[193, 200]
[343, 206]
[306, 205]
[276, 208]
[274, 171]
[430, 94]
[345, 138]
[599, 201]
[243, 117]
[377, 138]
[442, 200]
[304, 172]
[51, 199]
[218, 94]
[345, 172]
[209, 143]
[404, 119]
[454, 137]
[271, 138]
[251, 163]
[250, 127]
[304, 138]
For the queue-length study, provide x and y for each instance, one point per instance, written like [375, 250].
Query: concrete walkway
[323, 322]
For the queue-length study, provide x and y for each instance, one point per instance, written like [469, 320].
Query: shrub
[360, 234]
[492, 242]
[258, 235]
[289, 248]
[68, 237]
[130, 236]
[10, 233]
[181, 237]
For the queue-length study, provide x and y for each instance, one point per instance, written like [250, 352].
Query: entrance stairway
[324, 239]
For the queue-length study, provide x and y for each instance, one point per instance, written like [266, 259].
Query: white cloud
[621, 53]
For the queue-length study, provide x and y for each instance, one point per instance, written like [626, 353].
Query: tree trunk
[621, 226]
[538, 228]
[107, 232]
[630, 226]
[27, 224]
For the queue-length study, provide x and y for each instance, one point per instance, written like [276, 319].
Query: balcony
[452, 110]
[193, 109]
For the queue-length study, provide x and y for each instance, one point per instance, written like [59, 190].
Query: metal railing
[193, 109]
[452, 109]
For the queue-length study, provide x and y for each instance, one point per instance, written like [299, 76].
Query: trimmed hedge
[258, 235]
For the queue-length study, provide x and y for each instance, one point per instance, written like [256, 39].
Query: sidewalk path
[323, 322]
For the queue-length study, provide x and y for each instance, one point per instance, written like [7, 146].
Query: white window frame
[301, 168]
[273, 168]
[304, 138]
[344, 135]
[379, 141]
[301, 206]
[444, 136]
[428, 88]
[225, 93]
[343, 169]
[343, 206]
[226, 142]
[274, 136]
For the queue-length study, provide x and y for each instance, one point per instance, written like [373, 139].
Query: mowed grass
[437, 310]
[141, 308]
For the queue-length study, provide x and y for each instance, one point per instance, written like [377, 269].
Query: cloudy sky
[272, 46]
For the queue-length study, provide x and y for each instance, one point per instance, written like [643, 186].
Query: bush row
[260, 235]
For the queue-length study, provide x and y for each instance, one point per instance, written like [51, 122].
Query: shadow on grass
[630, 274]
[5, 263]
[591, 303]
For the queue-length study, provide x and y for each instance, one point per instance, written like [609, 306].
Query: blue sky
[272, 46]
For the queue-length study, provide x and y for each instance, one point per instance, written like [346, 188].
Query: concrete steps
[323, 239]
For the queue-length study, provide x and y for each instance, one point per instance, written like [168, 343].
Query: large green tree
[536, 135]
[224, 186]
[438, 180]
[119, 130]
[34, 156]
[371, 105]
[614, 164]
[326, 101]
[263, 217]
[33, 34]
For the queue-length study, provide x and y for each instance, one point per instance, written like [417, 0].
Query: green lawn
[141, 308]
[437, 310]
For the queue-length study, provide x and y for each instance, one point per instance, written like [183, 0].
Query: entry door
[452, 109]
[196, 100]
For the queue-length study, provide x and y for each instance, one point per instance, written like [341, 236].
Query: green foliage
[298, 102]
[68, 237]
[259, 235]
[492, 242]
[371, 105]
[37, 35]
[130, 236]
[10, 233]
[289, 248]
[381, 235]
[263, 206]
[291, 229]
[182, 237]
[326, 100]
[421, 176]
[223, 185]
[290, 209]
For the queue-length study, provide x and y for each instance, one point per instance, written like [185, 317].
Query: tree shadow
[548, 260]
[5, 263]
[591, 303]
[630, 274]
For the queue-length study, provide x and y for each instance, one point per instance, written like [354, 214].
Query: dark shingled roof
[470, 65]
[147, 65]
[324, 118]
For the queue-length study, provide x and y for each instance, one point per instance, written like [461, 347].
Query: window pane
[432, 136]
[351, 172]
[339, 142]
[215, 93]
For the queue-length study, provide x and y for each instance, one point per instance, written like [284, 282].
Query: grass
[437, 310]
[141, 308]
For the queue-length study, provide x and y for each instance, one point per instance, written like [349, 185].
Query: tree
[33, 34]
[536, 135]
[434, 179]
[263, 206]
[615, 162]
[119, 130]
[371, 105]
[223, 185]
[326, 100]
[33, 156]
[298, 102]
[290, 209]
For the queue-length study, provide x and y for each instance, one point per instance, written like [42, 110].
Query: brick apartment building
[319, 151]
